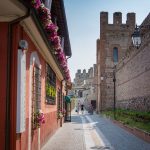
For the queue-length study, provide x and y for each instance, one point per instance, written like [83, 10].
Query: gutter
[8, 123]
[61, 97]
[61, 88]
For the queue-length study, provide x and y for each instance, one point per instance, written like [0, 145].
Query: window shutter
[21, 92]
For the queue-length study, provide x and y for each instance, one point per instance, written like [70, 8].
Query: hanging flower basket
[52, 33]
[44, 15]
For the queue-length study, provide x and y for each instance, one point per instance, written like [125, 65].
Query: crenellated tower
[113, 44]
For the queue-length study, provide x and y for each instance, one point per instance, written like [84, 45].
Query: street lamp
[136, 37]
[101, 101]
[114, 80]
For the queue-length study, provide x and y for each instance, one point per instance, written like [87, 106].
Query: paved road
[92, 132]
[116, 137]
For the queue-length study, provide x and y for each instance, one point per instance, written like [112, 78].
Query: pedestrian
[77, 108]
[91, 109]
[82, 108]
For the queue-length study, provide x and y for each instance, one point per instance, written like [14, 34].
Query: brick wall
[133, 78]
[111, 35]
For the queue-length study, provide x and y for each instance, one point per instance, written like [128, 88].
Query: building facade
[113, 47]
[85, 86]
[33, 72]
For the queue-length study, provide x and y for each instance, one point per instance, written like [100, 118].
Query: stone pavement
[92, 132]
[69, 137]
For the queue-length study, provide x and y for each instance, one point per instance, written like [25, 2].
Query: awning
[67, 99]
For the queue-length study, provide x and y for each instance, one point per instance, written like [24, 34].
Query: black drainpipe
[61, 91]
[8, 101]
[61, 87]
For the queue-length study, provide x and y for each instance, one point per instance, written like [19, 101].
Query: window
[80, 93]
[115, 54]
[48, 3]
[62, 43]
[50, 86]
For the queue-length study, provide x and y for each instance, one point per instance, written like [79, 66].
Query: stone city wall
[133, 78]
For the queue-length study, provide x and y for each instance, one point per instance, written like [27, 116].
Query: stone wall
[133, 78]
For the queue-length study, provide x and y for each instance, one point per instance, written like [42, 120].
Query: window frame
[115, 55]
[50, 86]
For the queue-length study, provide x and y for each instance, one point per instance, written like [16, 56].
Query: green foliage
[50, 90]
[132, 118]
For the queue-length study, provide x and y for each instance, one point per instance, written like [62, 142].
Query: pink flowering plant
[38, 119]
[51, 30]
[59, 114]
[35, 3]
[64, 111]
[52, 34]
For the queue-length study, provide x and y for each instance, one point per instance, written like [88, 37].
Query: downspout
[61, 91]
[61, 87]
[8, 146]
[70, 103]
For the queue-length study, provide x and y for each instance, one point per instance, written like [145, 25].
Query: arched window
[115, 55]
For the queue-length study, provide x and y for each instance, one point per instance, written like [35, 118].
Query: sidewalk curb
[135, 131]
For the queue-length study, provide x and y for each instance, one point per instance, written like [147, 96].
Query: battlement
[79, 71]
[117, 18]
[80, 76]
[117, 21]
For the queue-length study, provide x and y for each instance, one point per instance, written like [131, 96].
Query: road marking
[89, 143]
[99, 135]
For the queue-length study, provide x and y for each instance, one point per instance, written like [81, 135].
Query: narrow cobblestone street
[91, 132]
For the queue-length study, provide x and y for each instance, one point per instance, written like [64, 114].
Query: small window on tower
[115, 55]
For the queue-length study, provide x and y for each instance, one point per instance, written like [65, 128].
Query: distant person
[82, 108]
[91, 109]
[77, 108]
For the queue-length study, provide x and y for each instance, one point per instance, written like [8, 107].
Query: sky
[83, 20]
